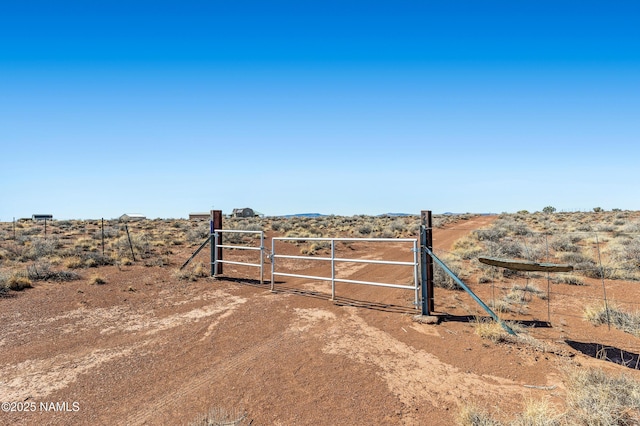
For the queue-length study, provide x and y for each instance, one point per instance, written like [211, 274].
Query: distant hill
[304, 215]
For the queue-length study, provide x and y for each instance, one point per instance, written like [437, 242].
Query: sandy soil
[148, 349]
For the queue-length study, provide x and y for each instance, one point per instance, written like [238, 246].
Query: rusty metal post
[216, 223]
[126, 228]
[426, 262]
[102, 228]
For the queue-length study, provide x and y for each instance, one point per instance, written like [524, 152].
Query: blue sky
[166, 108]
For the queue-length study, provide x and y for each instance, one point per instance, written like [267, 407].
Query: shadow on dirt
[5, 293]
[338, 301]
[247, 281]
[607, 353]
[475, 318]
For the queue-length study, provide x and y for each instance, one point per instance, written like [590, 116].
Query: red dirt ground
[148, 349]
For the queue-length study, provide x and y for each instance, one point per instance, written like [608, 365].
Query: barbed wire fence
[606, 269]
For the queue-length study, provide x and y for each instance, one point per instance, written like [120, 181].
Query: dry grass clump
[97, 280]
[442, 279]
[16, 281]
[570, 279]
[536, 413]
[593, 398]
[489, 329]
[629, 322]
[596, 398]
[522, 293]
[42, 271]
[315, 248]
[193, 272]
[472, 415]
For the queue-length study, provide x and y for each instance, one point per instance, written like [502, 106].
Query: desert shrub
[605, 227]
[468, 247]
[42, 272]
[364, 229]
[109, 232]
[32, 230]
[97, 280]
[198, 234]
[41, 247]
[520, 292]
[593, 398]
[315, 247]
[565, 243]
[484, 279]
[597, 398]
[538, 413]
[193, 272]
[584, 227]
[442, 279]
[490, 234]
[632, 227]
[472, 415]
[139, 241]
[15, 281]
[507, 247]
[629, 322]
[386, 233]
[500, 306]
[398, 225]
[567, 279]
[489, 329]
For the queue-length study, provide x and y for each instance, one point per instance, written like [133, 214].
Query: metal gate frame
[217, 233]
[333, 259]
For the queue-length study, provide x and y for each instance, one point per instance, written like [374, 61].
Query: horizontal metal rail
[238, 231]
[338, 259]
[311, 277]
[405, 287]
[239, 247]
[342, 239]
[333, 259]
[216, 236]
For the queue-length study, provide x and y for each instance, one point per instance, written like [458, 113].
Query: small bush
[365, 229]
[595, 398]
[18, 282]
[629, 322]
[491, 330]
[97, 280]
[442, 279]
[193, 272]
[471, 415]
[567, 279]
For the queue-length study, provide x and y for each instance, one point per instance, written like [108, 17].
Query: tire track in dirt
[444, 238]
[172, 400]
[38, 378]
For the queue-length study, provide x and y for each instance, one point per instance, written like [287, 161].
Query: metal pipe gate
[333, 259]
[216, 238]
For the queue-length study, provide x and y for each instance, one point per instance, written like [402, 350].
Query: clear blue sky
[344, 107]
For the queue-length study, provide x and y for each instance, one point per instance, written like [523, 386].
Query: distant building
[130, 217]
[199, 216]
[42, 217]
[244, 212]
